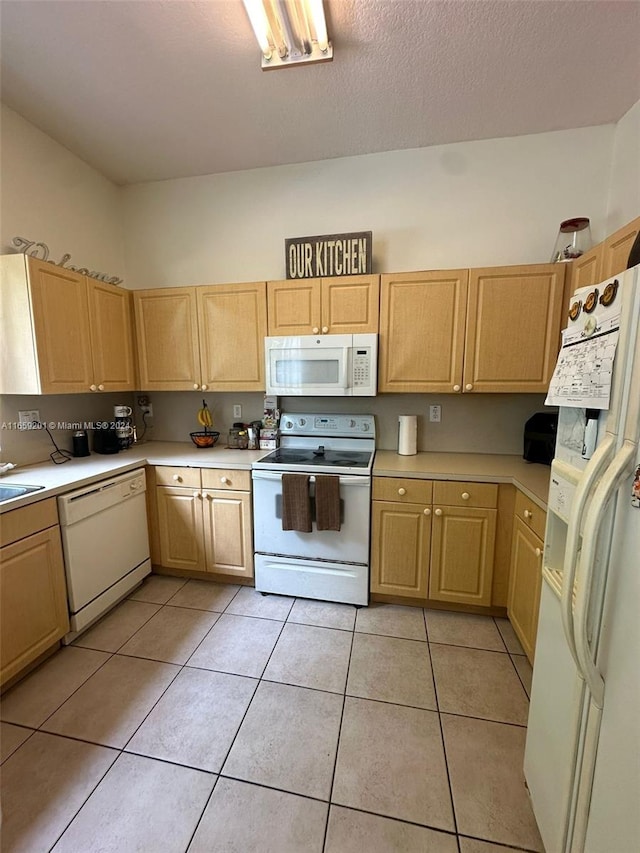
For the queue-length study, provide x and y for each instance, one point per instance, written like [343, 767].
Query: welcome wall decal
[41, 252]
[329, 255]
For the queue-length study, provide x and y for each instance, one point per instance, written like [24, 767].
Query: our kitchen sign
[329, 255]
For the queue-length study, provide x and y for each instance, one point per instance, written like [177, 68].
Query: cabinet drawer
[530, 513]
[402, 489]
[170, 475]
[465, 494]
[18, 523]
[226, 478]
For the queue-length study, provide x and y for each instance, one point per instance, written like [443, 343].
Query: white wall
[496, 201]
[49, 195]
[624, 183]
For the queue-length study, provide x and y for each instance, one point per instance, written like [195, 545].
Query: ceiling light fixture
[289, 32]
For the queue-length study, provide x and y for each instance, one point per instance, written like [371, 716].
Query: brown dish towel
[296, 505]
[327, 502]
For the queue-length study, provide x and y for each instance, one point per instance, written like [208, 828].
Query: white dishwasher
[106, 545]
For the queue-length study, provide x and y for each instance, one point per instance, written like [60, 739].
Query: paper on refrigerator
[584, 370]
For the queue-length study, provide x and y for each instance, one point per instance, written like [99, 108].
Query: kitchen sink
[14, 490]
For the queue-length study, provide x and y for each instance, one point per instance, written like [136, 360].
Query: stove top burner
[311, 457]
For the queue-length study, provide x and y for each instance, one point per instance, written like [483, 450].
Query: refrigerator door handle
[620, 467]
[592, 472]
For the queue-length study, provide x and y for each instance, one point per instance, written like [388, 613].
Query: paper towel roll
[407, 435]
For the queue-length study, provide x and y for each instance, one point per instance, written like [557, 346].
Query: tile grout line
[444, 745]
[122, 750]
[335, 761]
[224, 760]
[513, 663]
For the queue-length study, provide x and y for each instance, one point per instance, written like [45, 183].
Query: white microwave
[322, 365]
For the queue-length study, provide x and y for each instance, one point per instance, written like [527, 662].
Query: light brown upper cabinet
[422, 320]
[314, 306]
[512, 337]
[491, 330]
[63, 332]
[206, 338]
[616, 248]
[232, 322]
[586, 270]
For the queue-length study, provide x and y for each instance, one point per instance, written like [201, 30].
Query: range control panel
[325, 425]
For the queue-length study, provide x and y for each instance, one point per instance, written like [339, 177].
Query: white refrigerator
[582, 756]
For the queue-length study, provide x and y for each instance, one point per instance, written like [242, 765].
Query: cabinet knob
[204, 388]
[468, 387]
[93, 387]
[196, 386]
[427, 511]
[315, 330]
[438, 511]
[456, 387]
[527, 513]
[224, 480]
[177, 478]
[100, 387]
[465, 496]
[197, 494]
[402, 491]
[538, 552]
[325, 329]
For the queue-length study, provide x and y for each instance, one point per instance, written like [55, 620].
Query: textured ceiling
[150, 90]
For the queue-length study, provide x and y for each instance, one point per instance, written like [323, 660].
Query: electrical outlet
[147, 409]
[29, 417]
[435, 413]
[237, 411]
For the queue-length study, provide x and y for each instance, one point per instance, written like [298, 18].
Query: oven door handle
[345, 480]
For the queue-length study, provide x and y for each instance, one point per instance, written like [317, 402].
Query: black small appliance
[105, 441]
[540, 437]
[80, 443]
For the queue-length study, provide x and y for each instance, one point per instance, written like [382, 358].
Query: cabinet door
[615, 253]
[587, 268]
[33, 600]
[401, 535]
[111, 337]
[232, 322]
[180, 518]
[227, 533]
[61, 326]
[167, 336]
[462, 548]
[525, 583]
[422, 321]
[513, 328]
[350, 305]
[293, 307]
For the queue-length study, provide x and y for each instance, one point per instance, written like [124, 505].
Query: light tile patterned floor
[204, 717]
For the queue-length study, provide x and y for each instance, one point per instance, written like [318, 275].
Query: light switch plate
[237, 411]
[435, 413]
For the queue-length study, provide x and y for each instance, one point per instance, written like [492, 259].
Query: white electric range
[332, 565]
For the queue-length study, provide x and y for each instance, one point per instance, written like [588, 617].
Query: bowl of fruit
[206, 437]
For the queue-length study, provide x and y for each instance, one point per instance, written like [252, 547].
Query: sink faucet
[5, 467]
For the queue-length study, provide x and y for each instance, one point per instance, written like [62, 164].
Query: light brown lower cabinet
[205, 525]
[525, 583]
[33, 595]
[462, 548]
[400, 548]
[442, 551]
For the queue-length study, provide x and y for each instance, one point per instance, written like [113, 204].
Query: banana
[204, 416]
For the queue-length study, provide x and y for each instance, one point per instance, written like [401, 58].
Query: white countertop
[530, 477]
[58, 479]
